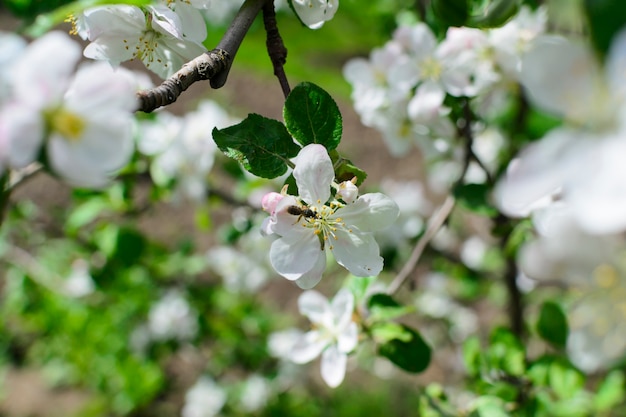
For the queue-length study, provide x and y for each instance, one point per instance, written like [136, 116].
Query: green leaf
[495, 13]
[412, 355]
[263, 146]
[451, 12]
[610, 393]
[506, 353]
[565, 380]
[488, 406]
[606, 18]
[312, 116]
[85, 213]
[345, 170]
[552, 324]
[472, 355]
[384, 307]
[385, 332]
[475, 197]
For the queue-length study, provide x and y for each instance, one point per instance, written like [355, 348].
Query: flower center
[146, 45]
[324, 224]
[70, 125]
[431, 69]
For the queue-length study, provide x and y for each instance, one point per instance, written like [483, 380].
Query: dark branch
[275, 46]
[212, 65]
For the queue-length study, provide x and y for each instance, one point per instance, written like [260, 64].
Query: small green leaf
[565, 380]
[488, 406]
[312, 116]
[475, 197]
[472, 355]
[495, 13]
[412, 355]
[610, 393]
[384, 332]
[345, 170]
[85, 213]
[506, 352]
[384, 307]
[552, 324]
[263, 146]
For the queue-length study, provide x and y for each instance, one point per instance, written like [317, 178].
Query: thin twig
[5, 193]
[434, 224]
[213, 65]
[275, 47]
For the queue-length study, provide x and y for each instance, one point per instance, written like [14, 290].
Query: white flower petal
[427, 103]
[119, 19]
[358, 253]
[100, 90]
[193, 24]
[314, 173]
[314, 13]
[348, 339]
[308, 347]
[561, 76]
[333, 366]
[315, 307]
[370, 212]
[295, 256]
[538, 174]
[342, 307]
[41, 74]
[314, 276]
[21, 135]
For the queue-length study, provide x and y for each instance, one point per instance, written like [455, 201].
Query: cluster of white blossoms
[400, 89]
[573, 184]
[79, 123]
[163, 35]
[305, 227]
[182, 148]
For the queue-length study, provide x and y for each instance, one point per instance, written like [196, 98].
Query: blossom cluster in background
[400, 89]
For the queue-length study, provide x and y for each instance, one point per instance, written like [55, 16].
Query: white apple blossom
[593, 267]
[314, 13]
[84, 121]
[79, 282]
[155, 35]
[580, 165]
[314, 222]
[512, 40]
[255, 393]
[172, 317]
[204, 399]
[240, 272]
[334, 333]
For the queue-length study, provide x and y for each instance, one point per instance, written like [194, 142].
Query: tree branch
[436, 221]
[275, 46]
[213, 65]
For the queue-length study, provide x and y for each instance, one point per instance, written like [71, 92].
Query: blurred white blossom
[204, 399]
[79, 283]
[333, 336]
[84, 120]
[172, 317]
[579, 163]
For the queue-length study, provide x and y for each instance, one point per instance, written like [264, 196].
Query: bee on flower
[308, 225]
